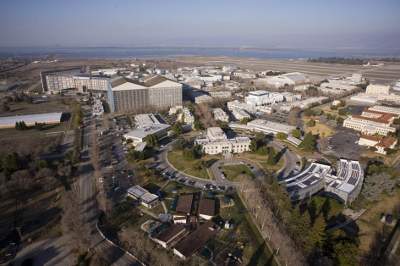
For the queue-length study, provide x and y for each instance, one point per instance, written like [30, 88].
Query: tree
[309, 142]
[197, 151]
[326, 208]
[245, 120]
[180, 144]
[342, 111]
[198, 125]
[312, 210]
[272, 156]
[317, 234]
[281, 136]
[294, 116]
[151, 140]
[296, 133]
[345, 253]
[177, 128]
[311, 123]
[10, 163]
[308, 112]
[73, 222]
[20, 125]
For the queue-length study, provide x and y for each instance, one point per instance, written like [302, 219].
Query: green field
[190, 167]
[232, 172]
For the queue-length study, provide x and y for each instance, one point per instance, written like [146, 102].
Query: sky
[308, 24]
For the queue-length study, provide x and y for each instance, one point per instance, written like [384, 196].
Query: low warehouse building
[30, 120]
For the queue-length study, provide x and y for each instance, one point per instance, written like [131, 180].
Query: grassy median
[194, 167]
[232, 172]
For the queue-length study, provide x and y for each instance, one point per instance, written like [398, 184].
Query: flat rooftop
[46, 118]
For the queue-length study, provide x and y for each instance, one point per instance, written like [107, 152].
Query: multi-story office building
[216, 142]
[59, 80]
[371, 122]
[122, 94]
[153, 93]
[220, 115]
[261, 97]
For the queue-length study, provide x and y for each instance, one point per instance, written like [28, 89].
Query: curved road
[219, 183]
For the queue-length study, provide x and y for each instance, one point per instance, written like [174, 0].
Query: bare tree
[73, 222]
[269, 226]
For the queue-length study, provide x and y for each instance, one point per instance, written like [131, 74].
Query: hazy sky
[340, 24]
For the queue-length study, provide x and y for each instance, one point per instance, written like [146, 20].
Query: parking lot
[343, 144]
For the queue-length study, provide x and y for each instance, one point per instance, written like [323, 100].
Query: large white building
[385, 109]
[241, 105]
[377, 89]
[122, 94]
[303, 104]
[376, 93]
[345, 185]
[261, 97]
[381, 144]
[240, 114]
[280, 81]
[371, 123]
[216, 142]
[146, 125]
[337, 86]
[264, 126]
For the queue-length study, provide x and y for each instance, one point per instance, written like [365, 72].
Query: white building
[267, 127]
[244, 74]
[188, 117]
[385, 109]
[146, 125]
[345, 185]
[146, 198]
[240, 105]
[280, 81]
[382, 144]
[370, 125]
[396, 86]
[203, 99]
[303, 104]
[261, 97]
[264, 126]
[220, 115]
[240, 114]
[216, 142]
[337, 86]
[377, 89]
[220, 94]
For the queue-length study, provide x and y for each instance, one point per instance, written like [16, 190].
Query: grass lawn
[319, 129]
[191, 167]
[179, 188]
[261, 160]
[232, 172]
[369, 223]
[24, 108]
[255, 252]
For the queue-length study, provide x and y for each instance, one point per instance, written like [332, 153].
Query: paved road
[87, 189]
[291, 161]
[57, 251]
[290, 167]
[164, 164]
